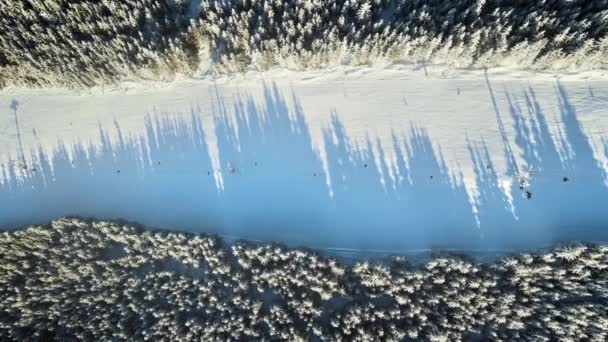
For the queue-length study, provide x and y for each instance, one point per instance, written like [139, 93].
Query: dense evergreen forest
[99, 281]
[86, 42]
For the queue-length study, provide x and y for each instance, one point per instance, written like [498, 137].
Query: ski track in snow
[359, 159]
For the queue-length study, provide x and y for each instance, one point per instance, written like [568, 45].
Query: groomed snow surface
[393, 160]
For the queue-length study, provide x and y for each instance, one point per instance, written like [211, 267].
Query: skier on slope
[524, 182]
[231, 168]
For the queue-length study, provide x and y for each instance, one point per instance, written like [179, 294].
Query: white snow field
[394, 159]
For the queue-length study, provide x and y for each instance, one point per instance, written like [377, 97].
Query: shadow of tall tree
[422, 205]
[563, 200]
[269, 182]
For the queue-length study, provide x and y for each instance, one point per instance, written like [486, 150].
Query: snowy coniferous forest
[84, 43]
[464, 157]
[96, 281]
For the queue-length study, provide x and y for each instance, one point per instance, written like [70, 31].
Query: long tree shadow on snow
[268, 182]
[567, 188]
[413, 203]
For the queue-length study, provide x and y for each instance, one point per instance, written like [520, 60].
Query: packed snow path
[396, 160]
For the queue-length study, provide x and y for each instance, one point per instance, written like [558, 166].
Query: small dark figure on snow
[522, 184]
[528, 195]
[231, 168]
[565, 179]
[524, 179]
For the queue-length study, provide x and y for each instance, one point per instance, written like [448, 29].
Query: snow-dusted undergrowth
[85, 43]
[92, 281]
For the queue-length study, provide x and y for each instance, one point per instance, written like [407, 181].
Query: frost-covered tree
[88, 280]
[84, 43]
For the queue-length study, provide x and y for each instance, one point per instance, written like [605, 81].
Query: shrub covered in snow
[87, 280]
[60, 42]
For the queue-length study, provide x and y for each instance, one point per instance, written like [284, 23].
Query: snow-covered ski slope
[396, 159]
